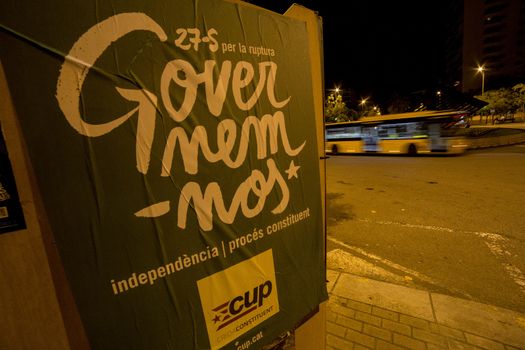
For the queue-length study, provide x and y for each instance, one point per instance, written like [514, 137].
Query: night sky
[378, 49]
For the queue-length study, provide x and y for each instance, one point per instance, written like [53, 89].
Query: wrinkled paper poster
[174, 146]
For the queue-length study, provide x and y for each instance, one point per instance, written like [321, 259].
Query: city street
[448, 224]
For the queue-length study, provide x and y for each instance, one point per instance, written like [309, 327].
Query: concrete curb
[485, 142]
[365, 313]
[495, 141]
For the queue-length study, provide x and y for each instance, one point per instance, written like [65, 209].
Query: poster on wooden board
[174, 147]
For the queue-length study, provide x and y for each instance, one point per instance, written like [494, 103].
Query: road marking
[406, 278]
[383, 261]
[496, 243]
[341, 260]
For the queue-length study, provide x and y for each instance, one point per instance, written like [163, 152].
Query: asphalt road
[449, 224]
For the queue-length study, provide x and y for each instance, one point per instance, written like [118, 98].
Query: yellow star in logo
[292, 170]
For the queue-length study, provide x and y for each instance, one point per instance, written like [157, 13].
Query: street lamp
[335, 91]
[363, 106]
[481, 70]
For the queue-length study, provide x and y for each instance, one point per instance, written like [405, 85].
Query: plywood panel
[30, 316]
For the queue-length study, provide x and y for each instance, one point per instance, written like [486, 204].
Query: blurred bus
[410, 133]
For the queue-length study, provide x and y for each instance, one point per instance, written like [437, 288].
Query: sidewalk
[519, 122]
[369, 314]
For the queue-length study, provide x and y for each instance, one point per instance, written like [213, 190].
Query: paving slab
[486, 320]
[409, 301]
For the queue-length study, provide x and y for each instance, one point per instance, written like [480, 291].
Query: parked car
[502, 118]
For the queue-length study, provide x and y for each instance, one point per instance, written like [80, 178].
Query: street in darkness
[448, 224]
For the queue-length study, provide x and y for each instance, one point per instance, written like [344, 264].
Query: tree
[520, 95]
[398, 104]
[503, 100]
[335, 110]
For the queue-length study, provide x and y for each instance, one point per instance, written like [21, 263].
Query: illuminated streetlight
[481, 70]
[362, 103]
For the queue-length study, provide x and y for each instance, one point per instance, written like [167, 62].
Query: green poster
[174, 146]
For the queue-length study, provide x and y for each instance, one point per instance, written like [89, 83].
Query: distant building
[488, 33]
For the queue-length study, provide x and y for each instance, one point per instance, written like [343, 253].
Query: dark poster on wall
[11, 214]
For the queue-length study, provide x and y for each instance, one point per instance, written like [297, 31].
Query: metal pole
[482, 83]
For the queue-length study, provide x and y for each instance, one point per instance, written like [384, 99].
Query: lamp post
[363, 103]
[481, 70]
